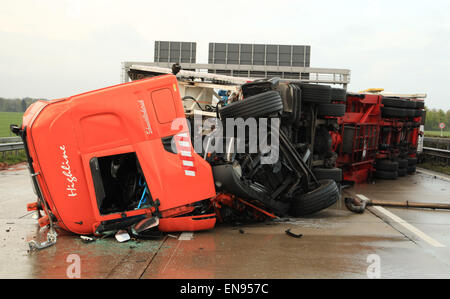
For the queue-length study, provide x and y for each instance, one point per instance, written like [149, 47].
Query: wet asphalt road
[335, 244]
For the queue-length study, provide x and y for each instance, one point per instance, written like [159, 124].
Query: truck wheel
[410, 113]
[402, 172]
[314, 201]
[259, 105]
[411, 169]
[334, 110]
[393, 112]
[410, 104]
[411, 161]
[228, 178]
[419, 104]
[386, 175]
[386, 165]
[314, 93]
[338, 94]
[418, 113]
[334, 174]
[394, 102]
[402, 163]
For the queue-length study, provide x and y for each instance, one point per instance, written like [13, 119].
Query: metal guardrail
[10, 139]
[437, 140]
[5, 147]
[436, 152]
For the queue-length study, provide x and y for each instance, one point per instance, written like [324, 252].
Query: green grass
[435, 167]
[10, 158]
[7, 118]
[437, 134]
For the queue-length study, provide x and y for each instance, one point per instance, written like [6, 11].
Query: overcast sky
[53, 49]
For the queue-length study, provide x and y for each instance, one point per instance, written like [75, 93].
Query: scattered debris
[51, 240]
[355, 205]
[122, 236]
[291, 234]
[241, 231]
[8, 230]
[86, 239]
[172, 236]
[187, 236]
[145, 224]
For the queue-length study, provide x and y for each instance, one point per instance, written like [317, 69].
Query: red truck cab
[103, 159]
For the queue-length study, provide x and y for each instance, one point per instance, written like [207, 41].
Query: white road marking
[362, 197]
[433, 174]
[187, 236]
[406, 225]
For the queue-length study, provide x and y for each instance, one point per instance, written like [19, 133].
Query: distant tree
[24, 105]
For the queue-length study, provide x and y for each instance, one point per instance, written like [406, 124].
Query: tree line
[434, 117]
[15, 105]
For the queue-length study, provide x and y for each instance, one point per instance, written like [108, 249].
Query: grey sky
[58, 48]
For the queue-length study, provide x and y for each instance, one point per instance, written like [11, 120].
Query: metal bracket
[51, 240]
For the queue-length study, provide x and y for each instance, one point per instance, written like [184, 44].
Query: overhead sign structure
[181, 52]
[259, 54]
[246, 60]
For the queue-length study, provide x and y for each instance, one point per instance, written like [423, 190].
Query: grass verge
[435, 167]
[445, 134]
[8, 118]
[10, 158]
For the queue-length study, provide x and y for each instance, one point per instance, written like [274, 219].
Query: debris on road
[122, 236]
[291, 234]
[355, 205]
[186, 236]
[87, 239]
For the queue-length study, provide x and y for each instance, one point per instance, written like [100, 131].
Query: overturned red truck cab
[105, 160]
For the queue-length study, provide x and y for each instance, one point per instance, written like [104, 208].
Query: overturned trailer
[122, 157]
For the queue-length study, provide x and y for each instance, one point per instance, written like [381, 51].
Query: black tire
[338, 94]
[402, 172]
[410, 104]
[410, 112]
[394, 102]
[314, 201]
[334, 174]
[402, 163]
[333, 110]
[411, 161]
[314, 93]
[228, 180]
[386, 175]
[418, 113]
[259, 105]
[393, 112]
[386, 165]
[419, 104]
[411, 169]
